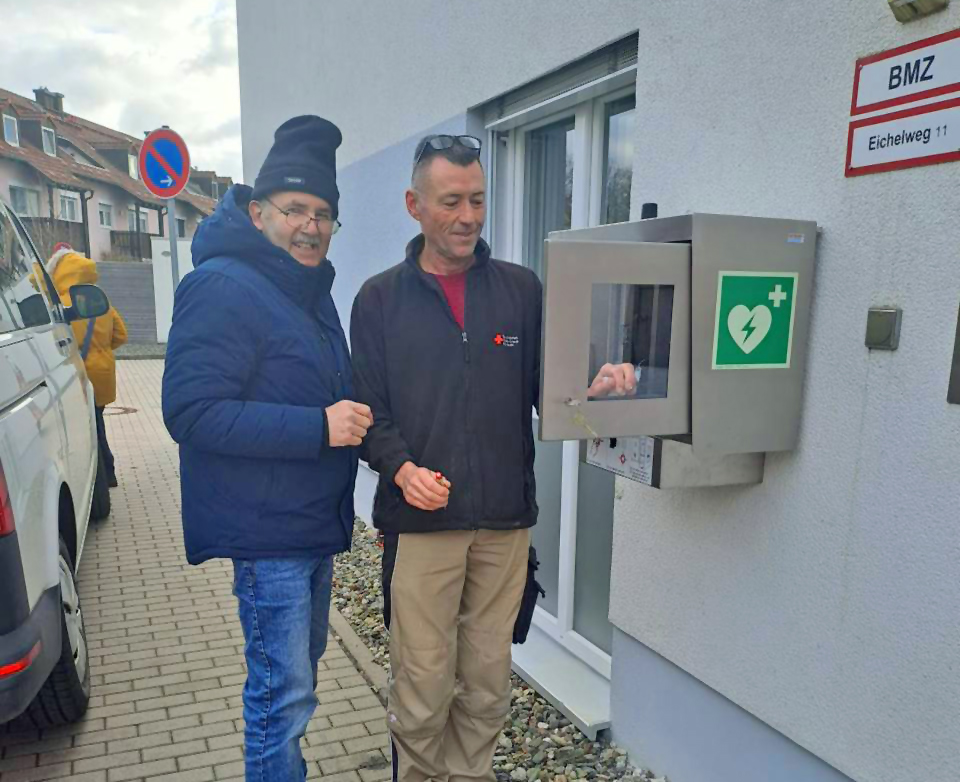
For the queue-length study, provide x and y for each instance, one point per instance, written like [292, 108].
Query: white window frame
[108, 211]
[16, 130]
[51, 134]
[506, 231]
[25, 190]
[75, 200]
[589, 118]
[597, 173]
[144, 220]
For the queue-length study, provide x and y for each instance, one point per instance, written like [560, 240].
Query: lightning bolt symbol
[748, 328]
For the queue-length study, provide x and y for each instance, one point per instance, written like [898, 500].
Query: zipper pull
[466, 347]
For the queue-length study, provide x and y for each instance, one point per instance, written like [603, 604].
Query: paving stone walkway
[166, 647]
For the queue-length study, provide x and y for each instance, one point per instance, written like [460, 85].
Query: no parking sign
[164, 171]
[164, 163]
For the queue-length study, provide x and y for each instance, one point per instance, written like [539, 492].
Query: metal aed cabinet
[712, 312]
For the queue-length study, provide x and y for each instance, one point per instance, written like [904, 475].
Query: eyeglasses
[443, 141]
[299, 221]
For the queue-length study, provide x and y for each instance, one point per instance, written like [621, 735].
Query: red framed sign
[923, 69]
[919, 136]
[164, 163]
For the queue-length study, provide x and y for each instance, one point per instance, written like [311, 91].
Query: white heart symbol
[749, 327]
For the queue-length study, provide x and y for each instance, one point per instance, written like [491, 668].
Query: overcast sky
[133, 66]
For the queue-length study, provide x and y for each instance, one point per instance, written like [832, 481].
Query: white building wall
[824, 601]
[99, 234]
[21, 175]
[121, 203]
[385, 71]
[188, 214]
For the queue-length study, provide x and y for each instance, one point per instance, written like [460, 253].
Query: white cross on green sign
[755, 316]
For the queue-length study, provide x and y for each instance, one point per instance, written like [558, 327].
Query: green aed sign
[755, 315]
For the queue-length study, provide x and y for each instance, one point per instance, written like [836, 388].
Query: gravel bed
[537, 742]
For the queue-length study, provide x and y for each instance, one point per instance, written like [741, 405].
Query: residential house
[73, 180]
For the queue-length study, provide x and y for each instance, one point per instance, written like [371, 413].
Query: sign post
[164, 171]
[172, 228]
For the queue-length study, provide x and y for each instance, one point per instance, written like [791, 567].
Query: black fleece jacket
[452, 400]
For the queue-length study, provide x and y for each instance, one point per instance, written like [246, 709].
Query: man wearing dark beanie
[257, 391]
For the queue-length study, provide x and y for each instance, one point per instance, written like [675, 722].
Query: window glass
[617, 161]
[21, 303]
[49, 141]
[631, 324]
[546, 534]
[11, 133]
[181, 228]
[132, 221]
[591, 586]
[133, 166]
[25, 202]
[69, 208]
[548, 187]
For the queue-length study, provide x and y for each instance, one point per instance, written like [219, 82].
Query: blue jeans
[284, 611]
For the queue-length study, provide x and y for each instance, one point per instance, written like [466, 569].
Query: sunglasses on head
[440, 142]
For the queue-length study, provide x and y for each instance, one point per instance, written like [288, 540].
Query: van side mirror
[88, 302]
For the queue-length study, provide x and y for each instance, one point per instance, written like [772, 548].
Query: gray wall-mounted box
[712, 312]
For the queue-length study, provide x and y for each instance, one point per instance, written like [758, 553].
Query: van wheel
[66, 693]
[100, 508]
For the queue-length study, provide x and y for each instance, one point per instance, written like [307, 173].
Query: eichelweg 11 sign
[918, 136]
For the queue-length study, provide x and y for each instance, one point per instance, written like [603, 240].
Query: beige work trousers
[454, 599]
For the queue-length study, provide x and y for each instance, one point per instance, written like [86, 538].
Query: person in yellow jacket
[96, 339]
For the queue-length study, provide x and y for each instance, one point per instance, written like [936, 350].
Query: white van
[50, 487]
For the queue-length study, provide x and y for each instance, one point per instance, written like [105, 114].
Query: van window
[21, 303]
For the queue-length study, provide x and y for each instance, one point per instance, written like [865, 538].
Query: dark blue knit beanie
[303, 159]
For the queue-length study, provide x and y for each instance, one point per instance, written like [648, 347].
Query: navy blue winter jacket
[255, 355]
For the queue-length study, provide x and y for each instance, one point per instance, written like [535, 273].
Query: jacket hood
[58, 256]
[229, 232]
[69, 268]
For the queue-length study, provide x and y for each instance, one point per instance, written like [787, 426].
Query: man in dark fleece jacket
[446, 352]
[256, 391]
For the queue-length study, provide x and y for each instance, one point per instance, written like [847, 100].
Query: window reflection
[631, 324]
[548, 202]
[617, 161]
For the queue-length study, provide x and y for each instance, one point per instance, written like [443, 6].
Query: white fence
[163, 279]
